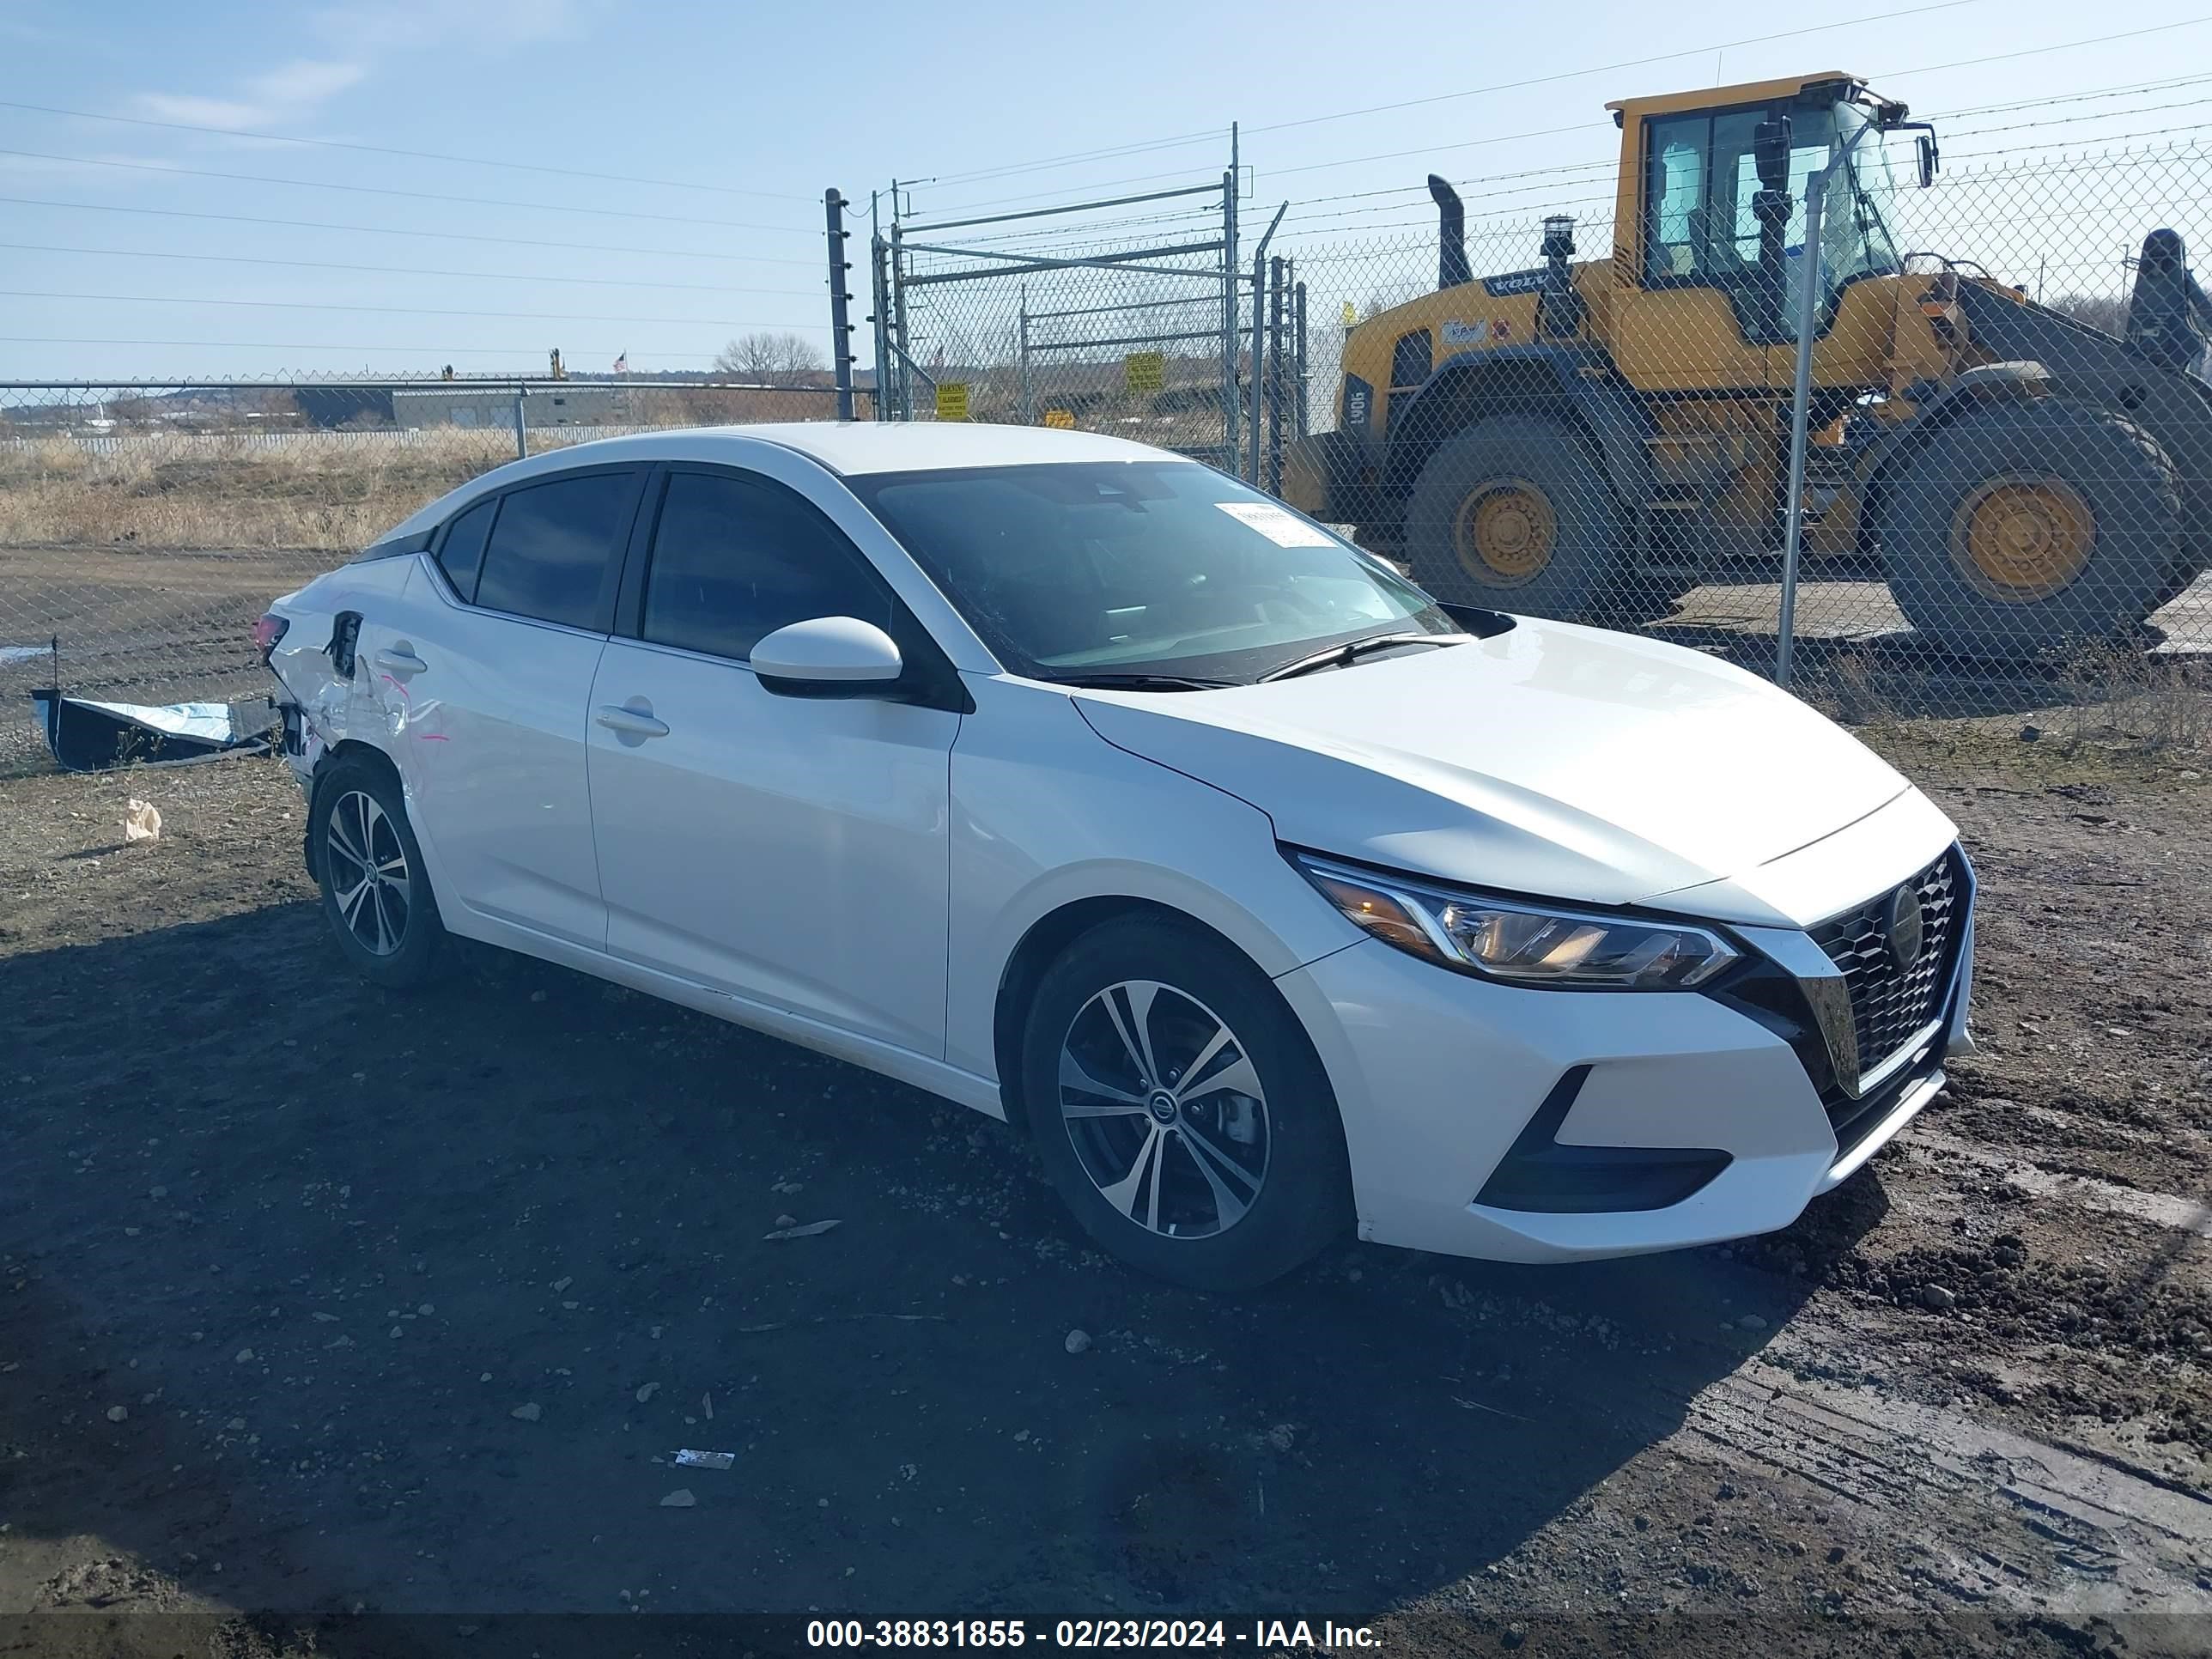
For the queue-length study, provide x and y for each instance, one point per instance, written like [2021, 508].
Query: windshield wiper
[1139, 682]
[1343, 656]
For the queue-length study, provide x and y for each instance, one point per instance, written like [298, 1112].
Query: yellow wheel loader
[1594, 439]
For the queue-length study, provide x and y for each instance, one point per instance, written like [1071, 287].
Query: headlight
[1517, 941]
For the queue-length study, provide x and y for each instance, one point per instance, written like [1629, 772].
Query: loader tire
[2023, 528]
[1514, 513]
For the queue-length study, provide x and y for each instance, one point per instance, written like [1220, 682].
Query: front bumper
[1705, 1118]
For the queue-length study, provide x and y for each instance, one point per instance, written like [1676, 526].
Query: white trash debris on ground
[142, 821]
[688, 1459]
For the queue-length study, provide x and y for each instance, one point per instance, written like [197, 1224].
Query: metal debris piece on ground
[807, 1231]
[85, 736]
[688, 1459]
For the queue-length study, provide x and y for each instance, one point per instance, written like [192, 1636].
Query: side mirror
[1769, 149]
[828, 657]
[1930, 159]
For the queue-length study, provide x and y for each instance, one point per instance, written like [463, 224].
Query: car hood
[1548, 759]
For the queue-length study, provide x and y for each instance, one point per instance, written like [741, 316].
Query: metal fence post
[878, 253]
[521, 431]
[1229, 400]
[1299, 336]
[900, 345]
[1259, 337]
[841, 330]
[1801, 403]
[1022, 362]
[1275, 378]
[1800, 399]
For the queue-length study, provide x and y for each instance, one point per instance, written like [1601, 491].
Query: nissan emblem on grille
[1904, 925]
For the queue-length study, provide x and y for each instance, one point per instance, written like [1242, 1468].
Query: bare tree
[2104, 310]
[770, 359]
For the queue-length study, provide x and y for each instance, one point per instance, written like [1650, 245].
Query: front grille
[1891, 1001]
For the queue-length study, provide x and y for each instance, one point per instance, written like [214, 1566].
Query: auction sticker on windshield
[1282, 527]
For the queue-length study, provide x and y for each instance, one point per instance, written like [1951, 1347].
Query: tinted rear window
[462, 551]
[551, 548]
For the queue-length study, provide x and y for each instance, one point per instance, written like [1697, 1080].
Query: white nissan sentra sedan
[1076, 782]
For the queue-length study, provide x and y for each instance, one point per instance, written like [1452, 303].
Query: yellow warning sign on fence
[952, 400]
[1061, 418]
[1147, 370]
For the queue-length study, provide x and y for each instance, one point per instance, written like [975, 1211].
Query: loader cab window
[1699, 200]
[1699, 228]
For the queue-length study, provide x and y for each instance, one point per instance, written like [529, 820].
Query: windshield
[1156, 567]
[1855, 210]
[1855, 235]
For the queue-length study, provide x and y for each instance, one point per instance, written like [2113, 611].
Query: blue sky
[744, 112]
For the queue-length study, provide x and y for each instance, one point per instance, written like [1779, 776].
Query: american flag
[621, 364]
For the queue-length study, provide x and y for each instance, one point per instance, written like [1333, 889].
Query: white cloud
[273, 98]
[305, 82]
[357, 34]
[195, 111]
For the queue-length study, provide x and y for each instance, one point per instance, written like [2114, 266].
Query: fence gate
[1129, 315]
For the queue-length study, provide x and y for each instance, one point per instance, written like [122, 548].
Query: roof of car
[852, 448]
[862, 447]
[857, 447]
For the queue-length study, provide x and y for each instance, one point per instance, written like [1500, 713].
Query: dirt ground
[319, 1307]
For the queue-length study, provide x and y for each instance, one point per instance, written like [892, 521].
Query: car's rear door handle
[399, 660]
[631, 722]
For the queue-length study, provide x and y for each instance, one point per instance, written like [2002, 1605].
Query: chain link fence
[1578, 393]
[2005, 466]
[1984, 485]
[1128, 315]
[144, 527]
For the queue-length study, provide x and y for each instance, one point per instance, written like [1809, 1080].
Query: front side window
[1139, 567]
[736, 558]
[553, 545]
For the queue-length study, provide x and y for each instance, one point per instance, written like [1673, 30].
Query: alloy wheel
[1164, 1109]
[369, 879]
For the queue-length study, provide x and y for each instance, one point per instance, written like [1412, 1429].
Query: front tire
[376, 894]
[1514, 513]
[1180, 1109]
[2023, 528]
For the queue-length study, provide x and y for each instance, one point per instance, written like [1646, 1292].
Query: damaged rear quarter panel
[336, 708]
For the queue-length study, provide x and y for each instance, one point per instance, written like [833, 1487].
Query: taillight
[267, 632]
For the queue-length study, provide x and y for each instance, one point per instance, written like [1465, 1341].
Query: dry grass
[316, 490]
[320, 491]
[2159, 706]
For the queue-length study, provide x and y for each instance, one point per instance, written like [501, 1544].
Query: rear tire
[1514, 513]
[1232, 1181]
[376, 894]
[2022, 528]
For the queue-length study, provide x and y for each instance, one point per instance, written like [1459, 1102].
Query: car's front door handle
[400, 660]
[631, 722]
